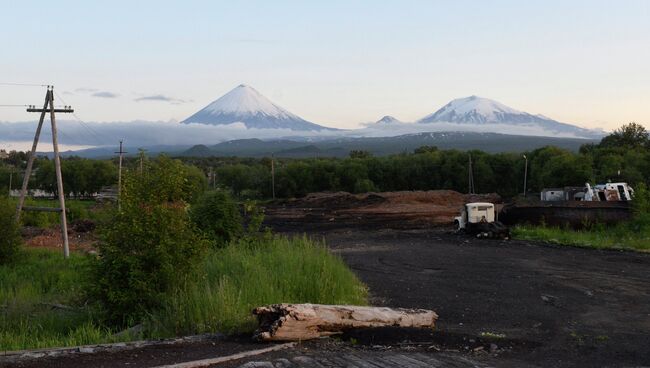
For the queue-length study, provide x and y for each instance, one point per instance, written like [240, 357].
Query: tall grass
[634, 236]
[29, 288]
[246, 274]
[233, 280]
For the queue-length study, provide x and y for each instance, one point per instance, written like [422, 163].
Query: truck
[608, 192]
[479, 219]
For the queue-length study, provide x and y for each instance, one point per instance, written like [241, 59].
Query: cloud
[146, 133]
[86, 90]
[105, 94]
[163, 98]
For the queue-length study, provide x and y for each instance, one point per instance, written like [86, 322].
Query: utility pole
[471, 176]
[525, 174]
[119, 177]
[213, 177]
[49, 101]
[273, 175]
[11, 176]
[142, 151]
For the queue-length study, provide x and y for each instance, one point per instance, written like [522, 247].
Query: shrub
[364, 186]
[10, 239]
[38, 219]
[217, 215]
[150, 247]
[76, 210]
[641, 201]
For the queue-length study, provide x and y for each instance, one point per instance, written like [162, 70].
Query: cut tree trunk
[294, 322]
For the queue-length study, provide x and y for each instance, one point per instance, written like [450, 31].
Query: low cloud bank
[74, 134]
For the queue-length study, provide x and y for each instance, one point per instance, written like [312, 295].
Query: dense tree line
[624, 155]
[82, 177]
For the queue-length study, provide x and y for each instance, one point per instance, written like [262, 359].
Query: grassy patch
[29, 288]
[624, 236]
[77, 209]
[233, 280]
[246, 275]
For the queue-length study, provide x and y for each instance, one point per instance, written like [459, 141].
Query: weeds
[30, 287]
[232, 281]
[248, 274]
[625, 236]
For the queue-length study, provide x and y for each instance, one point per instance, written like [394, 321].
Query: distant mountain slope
[388, 120]
[245, 105]
[341, 147]
[483, 111]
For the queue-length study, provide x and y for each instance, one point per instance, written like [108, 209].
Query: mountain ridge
[484, 111]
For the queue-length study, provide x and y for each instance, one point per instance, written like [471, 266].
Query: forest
[624, 155]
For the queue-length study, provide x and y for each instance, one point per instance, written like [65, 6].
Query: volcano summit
[245, 105]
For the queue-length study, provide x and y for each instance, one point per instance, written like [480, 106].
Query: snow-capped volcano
[388, 120]
[484, 111]
[245, 105]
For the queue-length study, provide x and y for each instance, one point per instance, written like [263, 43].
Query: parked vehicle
[609, 192]
[479, 219]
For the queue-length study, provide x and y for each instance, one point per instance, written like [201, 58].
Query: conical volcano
[245, 105]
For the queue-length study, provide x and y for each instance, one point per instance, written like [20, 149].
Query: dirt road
[553, 306]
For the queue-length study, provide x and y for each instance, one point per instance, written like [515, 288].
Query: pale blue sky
[337, 63]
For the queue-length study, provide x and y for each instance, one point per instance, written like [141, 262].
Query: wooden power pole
[119, 178]
[273, 176]
[49, 101]
[471, 176]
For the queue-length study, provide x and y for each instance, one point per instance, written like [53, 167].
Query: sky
[336, 63]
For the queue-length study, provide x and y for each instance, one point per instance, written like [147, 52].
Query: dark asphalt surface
[560, 306]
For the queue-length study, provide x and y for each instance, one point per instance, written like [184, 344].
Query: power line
[88, 128]
[24, 84]
[7, 105]
[85, 125]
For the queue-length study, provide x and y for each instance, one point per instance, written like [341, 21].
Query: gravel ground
[555, 306]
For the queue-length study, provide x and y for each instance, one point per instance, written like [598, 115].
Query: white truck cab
[479, 218]
[475, 212]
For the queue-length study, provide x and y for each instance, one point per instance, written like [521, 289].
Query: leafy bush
[150, 247]
[76, 210]
[364, 186]
[10, 239]
[254, 218]
[217, 215]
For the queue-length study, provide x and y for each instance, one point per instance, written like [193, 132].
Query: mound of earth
[405, 209]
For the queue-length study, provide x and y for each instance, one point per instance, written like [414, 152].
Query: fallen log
[294, 322]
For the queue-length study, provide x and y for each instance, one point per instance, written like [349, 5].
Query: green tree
[217, 215]
[425, 149]
[10, 239]
[236, 177]
[150, 247]
[630, 135]
[360, 154]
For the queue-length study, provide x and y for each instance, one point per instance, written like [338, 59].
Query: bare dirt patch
[395, 209]
[51, 238]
